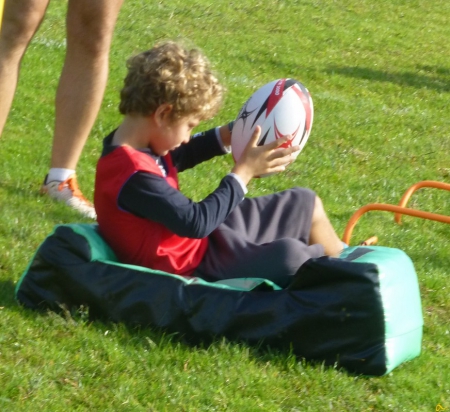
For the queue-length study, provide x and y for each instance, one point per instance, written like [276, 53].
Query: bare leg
[21, 19]
[90, 27]
[323, 232]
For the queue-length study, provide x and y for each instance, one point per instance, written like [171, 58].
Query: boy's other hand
[260, 160]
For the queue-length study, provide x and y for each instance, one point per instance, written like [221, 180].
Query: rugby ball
[282, 107]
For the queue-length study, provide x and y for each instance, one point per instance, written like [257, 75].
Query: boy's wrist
[225, 148]
[225, 133]
[240, 181]
[241, 171]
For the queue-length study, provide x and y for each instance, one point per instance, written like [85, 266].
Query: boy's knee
[290, 254]
[318, 211]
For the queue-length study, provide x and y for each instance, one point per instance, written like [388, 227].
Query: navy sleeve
[151, 197]
[200, 148]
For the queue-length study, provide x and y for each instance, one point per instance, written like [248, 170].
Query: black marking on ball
[263, 140]
[262, 109]
[244, 115]
[289, 83]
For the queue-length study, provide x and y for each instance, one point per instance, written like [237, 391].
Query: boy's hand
[260, 160]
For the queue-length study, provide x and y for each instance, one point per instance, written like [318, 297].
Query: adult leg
[322, 231]
[21, 19]
[90, 27]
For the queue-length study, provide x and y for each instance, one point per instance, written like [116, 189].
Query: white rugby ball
[282, 107]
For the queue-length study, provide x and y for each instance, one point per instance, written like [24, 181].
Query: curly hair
[170, 74]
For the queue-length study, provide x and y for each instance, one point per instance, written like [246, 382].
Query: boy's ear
[163, 113]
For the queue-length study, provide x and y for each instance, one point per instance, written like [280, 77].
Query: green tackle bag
[361, 311]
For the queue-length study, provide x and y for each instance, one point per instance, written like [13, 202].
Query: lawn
[379, 75]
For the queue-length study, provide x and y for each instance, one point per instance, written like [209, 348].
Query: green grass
[379, 75]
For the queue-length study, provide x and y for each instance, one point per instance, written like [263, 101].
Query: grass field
[379, 74]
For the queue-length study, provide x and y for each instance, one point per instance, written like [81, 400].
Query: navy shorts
[264, 237]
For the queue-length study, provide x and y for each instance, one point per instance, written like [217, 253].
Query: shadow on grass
[429, 77]
[261, 352]
[7, 298]
[144, 338]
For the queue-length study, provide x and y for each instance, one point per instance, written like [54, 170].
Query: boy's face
[173, 133]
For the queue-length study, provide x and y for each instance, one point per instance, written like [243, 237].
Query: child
[148, 222]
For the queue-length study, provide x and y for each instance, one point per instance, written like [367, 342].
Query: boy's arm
[202, 147]
[151, 197]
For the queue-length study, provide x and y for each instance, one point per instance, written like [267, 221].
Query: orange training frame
[400, 209]
[417, 186]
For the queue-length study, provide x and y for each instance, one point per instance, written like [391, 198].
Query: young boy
[147, 221]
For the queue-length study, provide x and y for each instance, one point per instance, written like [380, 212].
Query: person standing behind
[90, 26]
[1, 12]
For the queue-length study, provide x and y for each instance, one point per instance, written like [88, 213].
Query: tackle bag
[361, 311]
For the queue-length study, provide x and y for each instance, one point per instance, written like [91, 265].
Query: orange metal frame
[400, 209]
[417, 186]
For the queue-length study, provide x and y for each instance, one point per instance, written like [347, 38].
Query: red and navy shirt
[145, 218]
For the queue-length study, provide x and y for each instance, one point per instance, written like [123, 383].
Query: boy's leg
[294, 213]
[229, 257]
[264, 237]
[323, 232]
[90, 28]
[286, 214]
[21, 19]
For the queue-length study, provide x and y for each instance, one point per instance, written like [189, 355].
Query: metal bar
[389, 208]
[417, 186]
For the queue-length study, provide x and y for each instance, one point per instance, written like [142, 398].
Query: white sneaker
[68, 192]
